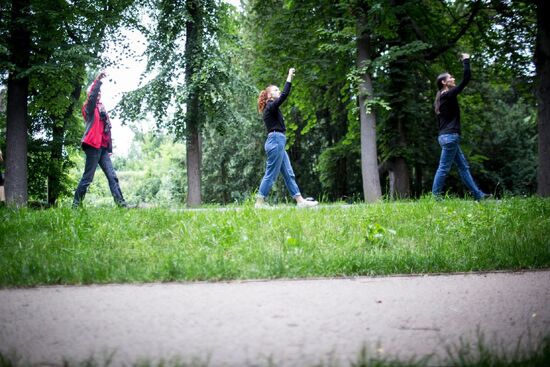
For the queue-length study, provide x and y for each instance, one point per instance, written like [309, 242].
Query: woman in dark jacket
[448, 116]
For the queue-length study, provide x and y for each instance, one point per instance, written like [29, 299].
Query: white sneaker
[307, 204]
[261, 205]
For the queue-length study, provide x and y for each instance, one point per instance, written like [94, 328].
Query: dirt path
[288, 322]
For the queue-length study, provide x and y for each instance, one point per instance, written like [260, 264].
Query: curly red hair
[263, 98]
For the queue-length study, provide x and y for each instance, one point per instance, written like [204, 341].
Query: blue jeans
[277, 162]
[93, 158]
[451, 152]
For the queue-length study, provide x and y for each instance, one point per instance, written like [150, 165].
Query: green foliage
[233, 162]
[233, 138]
[338, 166]
[412, 43]
[152, 173]
[241, 53]
[66, 39]
[193, 54]
[159, 178]
[503, 135]
[168, 90]
[317, 38]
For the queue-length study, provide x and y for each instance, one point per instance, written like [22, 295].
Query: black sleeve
[286, 91]
[465, 79]
[92, 99]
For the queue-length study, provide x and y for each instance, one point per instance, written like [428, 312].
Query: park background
[187, 74]
[183, 82]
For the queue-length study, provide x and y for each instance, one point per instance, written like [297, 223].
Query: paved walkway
[287, 322]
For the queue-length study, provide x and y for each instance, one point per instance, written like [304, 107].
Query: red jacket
[98, 130]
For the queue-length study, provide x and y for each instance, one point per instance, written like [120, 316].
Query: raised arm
[286, 90]
[465, 79]
[94, 93]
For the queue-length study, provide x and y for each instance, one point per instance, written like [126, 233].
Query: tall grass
[464, 354]
[101, 245]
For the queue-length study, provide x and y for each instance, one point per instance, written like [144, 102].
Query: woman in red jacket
[97, 145]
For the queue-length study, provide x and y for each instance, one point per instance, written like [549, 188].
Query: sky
[125, 78]
[121, 79]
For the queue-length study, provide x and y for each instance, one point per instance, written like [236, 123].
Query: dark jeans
[93, 158]
[451, 153]
[277, 162]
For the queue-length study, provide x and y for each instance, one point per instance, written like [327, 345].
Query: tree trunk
[223, 179]
[400, 166]
[400, 80]
[18, 89]
[341, 178]
[58, 143]
[391, 178]
[401, 188]
[55, 169]
[417, 180]
[369, 157]
[193, 55]
[193, 160]
[542, 63]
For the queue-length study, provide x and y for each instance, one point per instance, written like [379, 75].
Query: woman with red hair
[269, 101]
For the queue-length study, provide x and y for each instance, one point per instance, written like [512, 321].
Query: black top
[273, 118]
[449, 110]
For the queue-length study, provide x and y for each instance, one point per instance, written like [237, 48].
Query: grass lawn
[106, 245]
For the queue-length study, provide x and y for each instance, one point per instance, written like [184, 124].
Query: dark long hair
[439, 81]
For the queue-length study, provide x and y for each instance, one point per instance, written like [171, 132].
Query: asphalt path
[283, 322]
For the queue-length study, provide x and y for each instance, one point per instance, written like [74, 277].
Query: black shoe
[438, 197]
[485, 197]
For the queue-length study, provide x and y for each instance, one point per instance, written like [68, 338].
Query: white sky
[125, 78]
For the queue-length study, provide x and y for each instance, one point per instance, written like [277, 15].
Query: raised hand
[291, 72]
